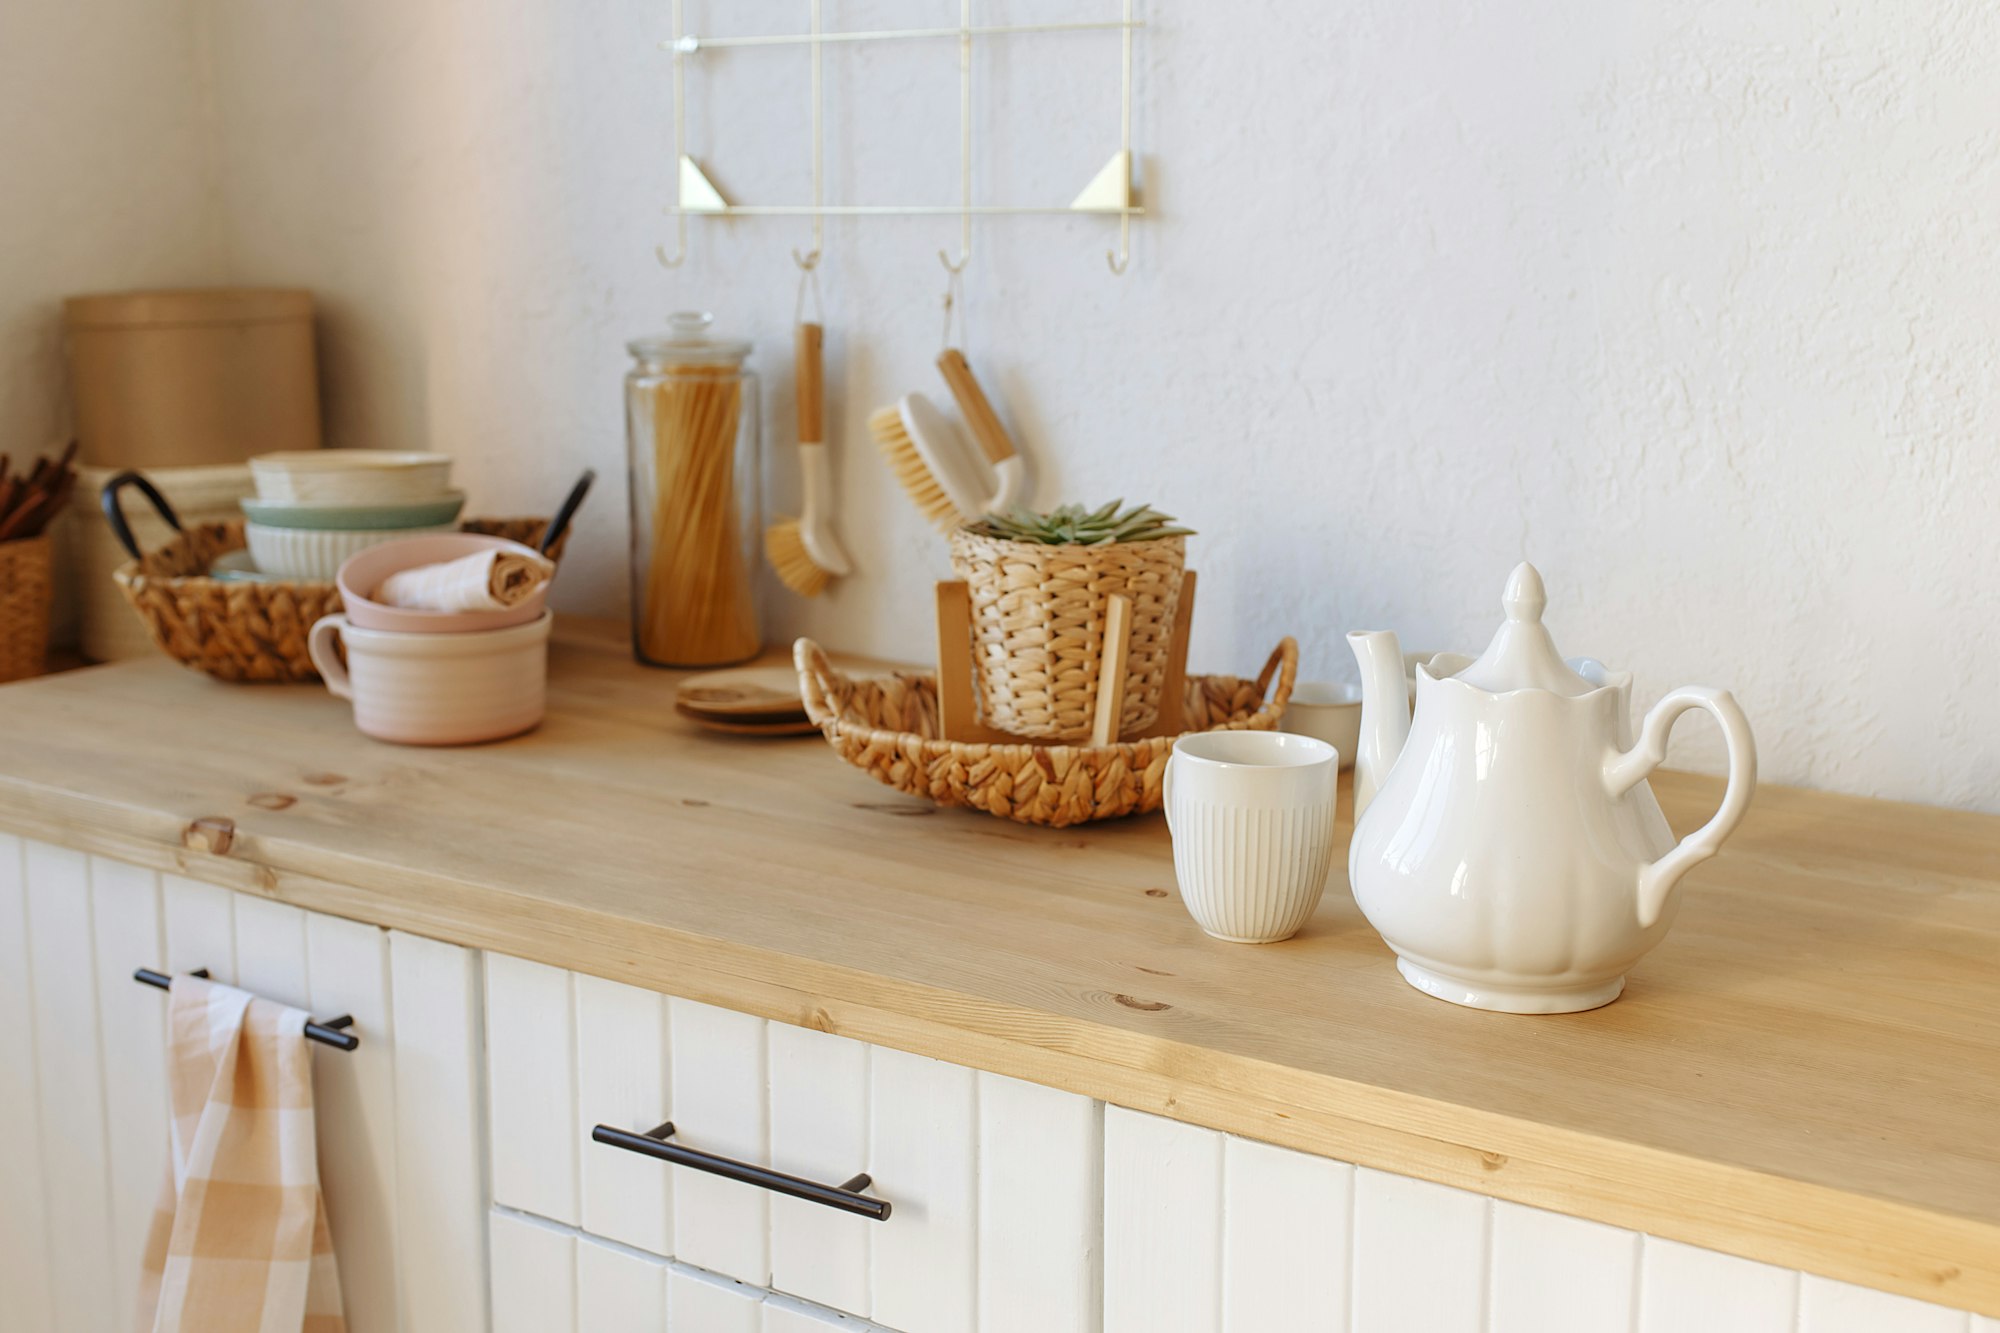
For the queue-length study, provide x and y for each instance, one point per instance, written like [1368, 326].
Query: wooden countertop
[1807, 1072]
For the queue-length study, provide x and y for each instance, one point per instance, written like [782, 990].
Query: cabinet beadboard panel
[1040, 1208]
[531, 1093]
[1419, 1256]
[1309, 1243]
[1162, 1225]
[1682, 1287]
[125, 912]
[1556, 1274]
[271, 952]
[24, 1233]
[201, 927]
[534, 1276]
[819, 1130]
[619, 1290]
[621, 1079]
[923, 1153]
[354, 1098]
[440, 1145]
[1839, 1307]
[1285, 1244]
[68, 1057]
[720, 1105]
[705, 1303]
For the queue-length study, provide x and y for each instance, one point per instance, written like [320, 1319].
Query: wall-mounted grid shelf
[1109, 192]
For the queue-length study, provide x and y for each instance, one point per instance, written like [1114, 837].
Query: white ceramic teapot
[1506, 843]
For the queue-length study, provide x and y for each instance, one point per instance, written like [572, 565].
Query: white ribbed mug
[1251, 813]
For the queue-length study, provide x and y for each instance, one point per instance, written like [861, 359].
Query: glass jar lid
[688, 341]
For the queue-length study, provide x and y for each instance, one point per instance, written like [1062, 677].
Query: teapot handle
[1622, 772]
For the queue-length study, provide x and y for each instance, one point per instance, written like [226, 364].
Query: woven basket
[887, 728]
[25, 592]
[246, 631]
[1038, 628]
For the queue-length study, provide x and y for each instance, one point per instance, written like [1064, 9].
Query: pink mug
[437, 689]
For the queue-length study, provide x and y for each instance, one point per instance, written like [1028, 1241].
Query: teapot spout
[1385, 712]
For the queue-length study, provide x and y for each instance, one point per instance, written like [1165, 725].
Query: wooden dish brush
[930, 457]
[804, 550]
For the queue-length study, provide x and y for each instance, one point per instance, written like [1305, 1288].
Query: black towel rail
[330, 1033]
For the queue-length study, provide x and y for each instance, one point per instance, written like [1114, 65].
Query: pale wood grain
[1804, 1073]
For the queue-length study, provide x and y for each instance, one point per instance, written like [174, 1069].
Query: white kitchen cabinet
[993, 1184]
[83, 1098]
[1208, 1233]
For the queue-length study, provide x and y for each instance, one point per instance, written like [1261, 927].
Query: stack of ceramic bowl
[315, 508]
[424, 677]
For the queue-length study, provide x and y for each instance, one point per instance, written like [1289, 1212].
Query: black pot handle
[113, 513]
[571, 503]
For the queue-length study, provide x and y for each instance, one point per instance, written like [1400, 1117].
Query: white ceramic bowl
[350, 477]
[1326, 710]
[315, 555]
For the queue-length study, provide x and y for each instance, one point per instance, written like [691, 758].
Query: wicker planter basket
[1038, 628]
[26, 589]
[888, 729]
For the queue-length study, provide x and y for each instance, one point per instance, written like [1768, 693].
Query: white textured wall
[106, 180]
[1694, 304]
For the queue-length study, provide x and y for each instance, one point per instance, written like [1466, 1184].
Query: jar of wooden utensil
[691, 431]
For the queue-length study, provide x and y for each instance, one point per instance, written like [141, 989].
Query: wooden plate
[743, 694]
[782, 726]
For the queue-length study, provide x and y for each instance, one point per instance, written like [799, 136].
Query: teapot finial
[1522, 656]
[1525, 597]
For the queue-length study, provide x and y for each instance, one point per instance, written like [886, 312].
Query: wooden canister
[192, 378]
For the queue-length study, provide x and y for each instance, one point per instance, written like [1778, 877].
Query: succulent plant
[1073, 525]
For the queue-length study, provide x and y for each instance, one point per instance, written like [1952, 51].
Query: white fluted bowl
[315, 555]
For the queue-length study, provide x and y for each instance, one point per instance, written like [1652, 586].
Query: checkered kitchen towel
[240, 1243]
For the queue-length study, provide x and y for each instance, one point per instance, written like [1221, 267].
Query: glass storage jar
[691, 437]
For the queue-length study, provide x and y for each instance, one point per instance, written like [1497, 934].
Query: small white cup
[1327, 710]
[437, 689]
[1251, 813]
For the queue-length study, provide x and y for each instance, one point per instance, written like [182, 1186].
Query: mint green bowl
[356, 518]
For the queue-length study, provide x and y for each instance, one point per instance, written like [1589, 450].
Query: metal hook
[807, 261]
[1118, 262]
[964, 258]
[680, 255]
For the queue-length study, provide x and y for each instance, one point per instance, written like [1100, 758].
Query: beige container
[186, 378]
[107, 629]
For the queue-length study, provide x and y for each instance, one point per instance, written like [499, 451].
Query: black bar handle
[846, 1196]
[329, 1033]
[113, 513]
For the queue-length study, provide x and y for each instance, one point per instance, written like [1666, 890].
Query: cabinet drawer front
[992, 1183]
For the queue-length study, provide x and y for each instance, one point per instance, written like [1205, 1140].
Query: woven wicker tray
[887, 727]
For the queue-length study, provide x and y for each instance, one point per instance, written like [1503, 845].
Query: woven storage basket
[246, 631]
[26, 590]
[887, 728]
[1038, 628]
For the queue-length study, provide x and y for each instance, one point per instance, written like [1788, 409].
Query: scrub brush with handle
[804, 550]
[932, 459]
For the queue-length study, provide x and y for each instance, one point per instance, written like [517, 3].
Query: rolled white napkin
[491, 580]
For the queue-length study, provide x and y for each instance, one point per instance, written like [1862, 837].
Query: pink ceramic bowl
[361, 574]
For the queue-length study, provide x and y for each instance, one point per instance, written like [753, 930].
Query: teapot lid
[1522, 655]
